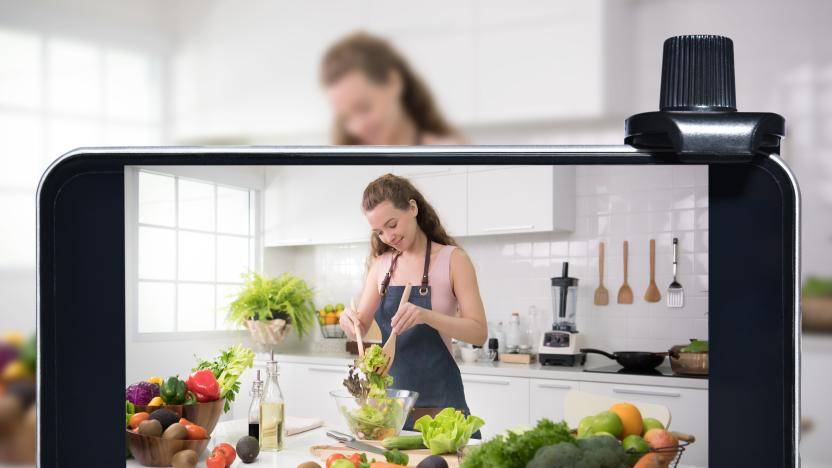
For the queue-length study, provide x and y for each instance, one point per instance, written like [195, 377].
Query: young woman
[409, 245]
[377, 98]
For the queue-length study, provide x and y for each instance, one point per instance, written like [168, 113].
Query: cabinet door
[316, 204]
[444, 187]
[503, 402]
[546, 398]
[688, 411]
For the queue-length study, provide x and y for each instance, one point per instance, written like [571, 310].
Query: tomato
[332, 458]
[343, 463]
[137, 419]
[216, 460]
[227, 451]
[196, 432]
[185, 422]
[356, 459]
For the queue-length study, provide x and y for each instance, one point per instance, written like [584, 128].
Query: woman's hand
[409, 315]
[347, 321]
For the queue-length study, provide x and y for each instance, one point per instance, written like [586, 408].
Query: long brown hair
[376, 58]
[399, 191]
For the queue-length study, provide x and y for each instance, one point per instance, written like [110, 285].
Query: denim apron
[423, 363]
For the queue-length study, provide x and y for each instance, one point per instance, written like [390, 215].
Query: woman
[409, 245]
[377, 98]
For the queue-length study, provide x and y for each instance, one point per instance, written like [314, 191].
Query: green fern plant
[286, 297]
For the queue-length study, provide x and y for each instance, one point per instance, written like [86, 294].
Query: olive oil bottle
[272, 427]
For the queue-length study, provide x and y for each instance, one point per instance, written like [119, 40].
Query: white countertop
[500, 369]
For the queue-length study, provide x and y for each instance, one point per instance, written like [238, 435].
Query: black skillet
[635, 360]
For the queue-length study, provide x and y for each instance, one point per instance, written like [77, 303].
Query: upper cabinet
[306, 205]
[520, 199]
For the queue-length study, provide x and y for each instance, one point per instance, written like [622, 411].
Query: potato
[151, 427]
[309, 464]
[175, 431]
[185, 459]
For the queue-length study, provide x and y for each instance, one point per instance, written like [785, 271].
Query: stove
[661, 371]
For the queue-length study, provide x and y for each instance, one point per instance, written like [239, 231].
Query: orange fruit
[630, 418]
[331, 319]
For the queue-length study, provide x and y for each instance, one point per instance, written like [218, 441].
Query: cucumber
[403, 442]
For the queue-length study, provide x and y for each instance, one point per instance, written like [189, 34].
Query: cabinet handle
[627, 391]
[557, 386]
[488, 381]
[508, 228]
[330, 370]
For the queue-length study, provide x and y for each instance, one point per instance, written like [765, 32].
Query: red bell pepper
[204, 385]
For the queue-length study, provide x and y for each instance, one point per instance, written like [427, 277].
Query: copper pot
[688, 363]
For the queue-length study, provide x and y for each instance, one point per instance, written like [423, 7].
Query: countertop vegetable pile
[514, 450]
[448, 432]
[227, 368]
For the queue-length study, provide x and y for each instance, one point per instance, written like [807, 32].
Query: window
[195, 241]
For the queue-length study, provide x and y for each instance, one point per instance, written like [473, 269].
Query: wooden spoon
[625, 294]
[602, 296]
[389, 349]
[357, 329]
[652, 294]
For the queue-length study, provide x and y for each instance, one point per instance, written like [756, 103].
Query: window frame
[131, 236]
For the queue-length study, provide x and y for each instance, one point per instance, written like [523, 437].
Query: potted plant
[269, 307]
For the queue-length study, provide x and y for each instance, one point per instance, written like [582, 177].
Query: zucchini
[403, 442]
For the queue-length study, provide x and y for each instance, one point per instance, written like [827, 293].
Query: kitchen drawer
[503, 402]
[688, 411]
[546, 398]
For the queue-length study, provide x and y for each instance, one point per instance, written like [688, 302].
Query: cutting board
[324, 451]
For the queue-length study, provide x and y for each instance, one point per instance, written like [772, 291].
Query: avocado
[165, 417]
[247, 449]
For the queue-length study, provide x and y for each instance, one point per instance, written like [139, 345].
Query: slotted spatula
[675, 292]
[389, 349]
[602, 296]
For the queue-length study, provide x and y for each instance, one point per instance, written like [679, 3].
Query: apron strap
[386, 282]
[424, 289]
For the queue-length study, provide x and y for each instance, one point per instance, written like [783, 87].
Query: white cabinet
[521, 199]
[688, 411]
[546, 398]
[306, 390]
[444, 187]
[306, 205]
[503, 402]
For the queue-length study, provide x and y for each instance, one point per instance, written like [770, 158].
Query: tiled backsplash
[614, 203]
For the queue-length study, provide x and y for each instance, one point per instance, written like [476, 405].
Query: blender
[561, 346]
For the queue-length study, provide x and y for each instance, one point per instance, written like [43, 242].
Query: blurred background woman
[377, 98]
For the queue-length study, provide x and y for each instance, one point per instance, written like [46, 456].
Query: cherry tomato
[227, 451]
[356, 459]
[332, 458]
[216, 460]
[196, 432]
[137, 419]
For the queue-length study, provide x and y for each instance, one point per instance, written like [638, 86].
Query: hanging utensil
[675, 292]
[357, 329]
[389, 349]
[602, 296]
[625, 294]
[652, 294]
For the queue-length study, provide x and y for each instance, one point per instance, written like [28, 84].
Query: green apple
[339, 307]
[651, 423]
[602, 433]
[585, 426]
[607, 421]
[636, 446]
[328, 308]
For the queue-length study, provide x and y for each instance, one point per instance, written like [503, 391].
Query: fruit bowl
[332, 331]
[156, 451]
[375, 418]
[204, 414]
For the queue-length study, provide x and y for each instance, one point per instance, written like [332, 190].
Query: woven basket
[267, 332]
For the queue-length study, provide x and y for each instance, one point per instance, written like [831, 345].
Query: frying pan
[635, 360]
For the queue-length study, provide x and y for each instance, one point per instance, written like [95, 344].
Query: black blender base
[562, 359]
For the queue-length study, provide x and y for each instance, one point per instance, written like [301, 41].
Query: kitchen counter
[295, 451]
[500, 369]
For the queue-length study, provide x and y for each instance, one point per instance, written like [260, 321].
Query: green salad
[377, 416]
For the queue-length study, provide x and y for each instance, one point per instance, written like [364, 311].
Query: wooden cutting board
[324, 451]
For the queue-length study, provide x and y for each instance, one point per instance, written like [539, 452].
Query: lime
[636, 446]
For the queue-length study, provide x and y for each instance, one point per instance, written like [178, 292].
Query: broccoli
[592, 452]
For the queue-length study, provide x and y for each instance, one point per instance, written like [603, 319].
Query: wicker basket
[268, 332]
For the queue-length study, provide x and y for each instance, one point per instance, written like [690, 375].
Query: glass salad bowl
[375, 418]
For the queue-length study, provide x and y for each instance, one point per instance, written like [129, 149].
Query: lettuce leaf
[448, 432]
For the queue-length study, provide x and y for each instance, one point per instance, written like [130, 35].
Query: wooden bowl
[204, 414]
[156, 451]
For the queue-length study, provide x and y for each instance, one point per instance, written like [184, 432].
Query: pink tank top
[442, 296]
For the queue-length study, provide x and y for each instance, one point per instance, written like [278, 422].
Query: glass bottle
[532, 331]
[254, 409]
[272, 427]
[514, 337]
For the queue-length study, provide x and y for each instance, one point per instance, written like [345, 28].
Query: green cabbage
[448, 431]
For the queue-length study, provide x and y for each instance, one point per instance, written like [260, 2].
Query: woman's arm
[470, 326]
[367, 305]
